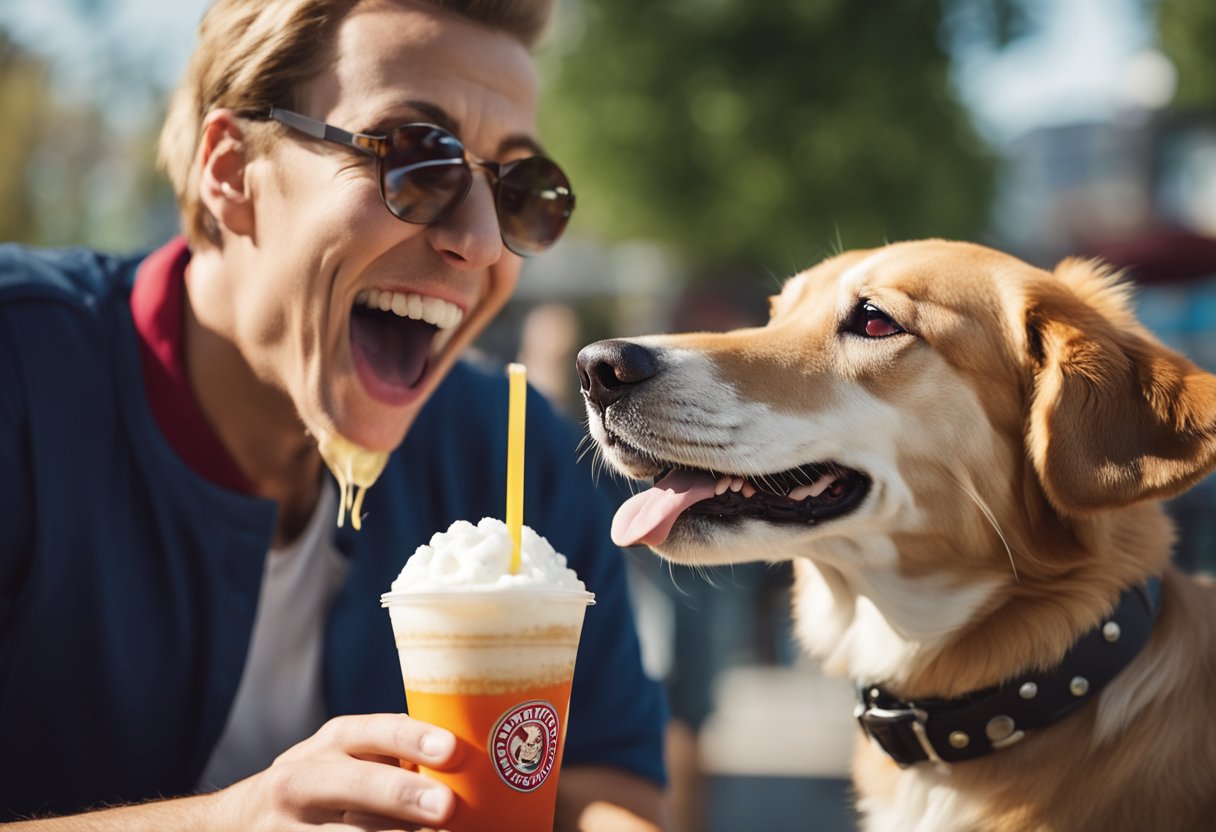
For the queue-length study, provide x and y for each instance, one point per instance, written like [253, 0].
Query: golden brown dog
[964, 457]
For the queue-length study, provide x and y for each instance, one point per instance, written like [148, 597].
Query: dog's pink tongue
[647, 518]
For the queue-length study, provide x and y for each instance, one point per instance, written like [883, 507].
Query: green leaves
[1187, 31]
[758, 129]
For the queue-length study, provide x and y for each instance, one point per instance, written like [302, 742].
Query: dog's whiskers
[599, 464]
[701, 570]
[779, 280]
[671, 574]
[838, 244]
[991, 518]
[584, 446]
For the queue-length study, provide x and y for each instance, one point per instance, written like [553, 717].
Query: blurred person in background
[182, 627]
[549, 339]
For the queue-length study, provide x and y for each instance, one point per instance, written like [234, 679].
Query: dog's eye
[872, 322]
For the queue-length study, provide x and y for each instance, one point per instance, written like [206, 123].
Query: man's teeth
[739, 484]
[434, 311]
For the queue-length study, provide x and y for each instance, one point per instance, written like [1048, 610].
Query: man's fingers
[362, 788]
[360, 822]
[394, 736]
[386, 760]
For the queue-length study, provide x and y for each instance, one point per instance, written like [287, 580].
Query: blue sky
[1091, 60]
[1080, 66]
[155, 37]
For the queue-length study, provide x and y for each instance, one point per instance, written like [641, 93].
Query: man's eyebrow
[519, 141]
[441, 117]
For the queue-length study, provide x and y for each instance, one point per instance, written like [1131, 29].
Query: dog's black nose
[607, 368]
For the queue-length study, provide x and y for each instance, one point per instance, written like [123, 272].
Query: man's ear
[1115, 416]
[223, 187]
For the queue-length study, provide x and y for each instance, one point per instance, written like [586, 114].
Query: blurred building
[1098, 187]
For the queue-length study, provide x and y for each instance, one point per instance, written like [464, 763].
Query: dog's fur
[1019, 435]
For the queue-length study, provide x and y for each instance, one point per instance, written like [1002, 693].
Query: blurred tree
[77, 165]
[1187, 33]
[771, 131]
[24, 92]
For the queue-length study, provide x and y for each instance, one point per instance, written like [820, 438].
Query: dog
[964, 457]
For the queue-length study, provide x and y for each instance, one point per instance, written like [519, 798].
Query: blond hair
[255, 54]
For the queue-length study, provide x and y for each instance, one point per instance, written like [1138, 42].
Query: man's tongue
[394, 348]
[647, 518]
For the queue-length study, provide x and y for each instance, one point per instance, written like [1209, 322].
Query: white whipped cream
[479, 558]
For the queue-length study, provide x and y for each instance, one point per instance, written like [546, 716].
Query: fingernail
[434, 801]
[438, 744]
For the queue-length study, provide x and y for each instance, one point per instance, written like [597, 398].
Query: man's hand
[348, 775]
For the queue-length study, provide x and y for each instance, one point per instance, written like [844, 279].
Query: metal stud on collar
[1079, 686]
[1111, 631]
[1002, 731]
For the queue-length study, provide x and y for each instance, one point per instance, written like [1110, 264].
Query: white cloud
[1078, 67]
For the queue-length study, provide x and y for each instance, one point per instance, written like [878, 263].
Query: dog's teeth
[821, 485]
[736, 484]
[721, 486]
[801, 493]
[749, 490]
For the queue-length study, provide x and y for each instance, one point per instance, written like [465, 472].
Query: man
[177, 610]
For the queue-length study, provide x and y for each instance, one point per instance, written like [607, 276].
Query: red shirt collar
[157, 307]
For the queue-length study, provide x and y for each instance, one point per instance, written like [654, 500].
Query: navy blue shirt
[128, 583]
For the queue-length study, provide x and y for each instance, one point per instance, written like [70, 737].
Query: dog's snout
[606, 369]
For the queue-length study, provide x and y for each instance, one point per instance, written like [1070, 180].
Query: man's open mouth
[806, 494]
[393, 336]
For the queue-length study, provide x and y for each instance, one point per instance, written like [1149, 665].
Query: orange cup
[494, 667]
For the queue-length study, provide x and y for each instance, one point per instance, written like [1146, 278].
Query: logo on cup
[523, 745]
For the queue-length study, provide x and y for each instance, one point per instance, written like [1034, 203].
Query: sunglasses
[425, 173]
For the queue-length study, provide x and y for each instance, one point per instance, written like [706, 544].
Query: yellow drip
[354, 468]
[356, 513]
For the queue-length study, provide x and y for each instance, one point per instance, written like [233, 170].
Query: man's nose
[607, 370]
[470, 238]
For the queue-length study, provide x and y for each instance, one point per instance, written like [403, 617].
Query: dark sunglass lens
[424, 173]
[534, 203]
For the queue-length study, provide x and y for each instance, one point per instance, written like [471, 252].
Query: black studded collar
[976, 724]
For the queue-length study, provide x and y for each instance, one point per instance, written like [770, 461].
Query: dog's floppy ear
[1115, 417]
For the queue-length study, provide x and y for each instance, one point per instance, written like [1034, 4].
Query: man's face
[325, 247]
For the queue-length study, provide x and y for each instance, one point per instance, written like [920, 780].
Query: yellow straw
[518, 375]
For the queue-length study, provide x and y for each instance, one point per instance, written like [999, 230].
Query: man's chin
[377, 436]
[369, 425]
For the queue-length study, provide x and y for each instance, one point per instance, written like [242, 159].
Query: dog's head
[929, 412]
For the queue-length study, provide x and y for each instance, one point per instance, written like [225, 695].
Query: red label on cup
[523, 745]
